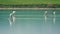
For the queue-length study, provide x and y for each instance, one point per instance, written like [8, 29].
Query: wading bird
[12, 18]
[45, 15]
[54, 17]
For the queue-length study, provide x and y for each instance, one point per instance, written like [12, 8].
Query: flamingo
[54, 17]
[45, 14]
[12, 17]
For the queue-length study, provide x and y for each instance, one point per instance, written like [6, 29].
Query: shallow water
[30, 22]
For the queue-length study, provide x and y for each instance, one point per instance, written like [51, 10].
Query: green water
[30, 22]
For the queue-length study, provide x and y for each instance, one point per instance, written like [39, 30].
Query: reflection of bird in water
[45, 15]
[12, 18]
[54, 17]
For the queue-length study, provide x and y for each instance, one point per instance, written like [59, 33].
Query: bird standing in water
[45, 15]
[12, 18]
[54, 17]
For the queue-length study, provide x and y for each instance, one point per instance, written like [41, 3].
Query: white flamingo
[12, 18]
[54, 17]
[45, 15]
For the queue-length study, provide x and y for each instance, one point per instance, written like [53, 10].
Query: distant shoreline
[29, 8]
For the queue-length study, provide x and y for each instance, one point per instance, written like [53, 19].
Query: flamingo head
[53, 12]
[14, 11]
[45, 11]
